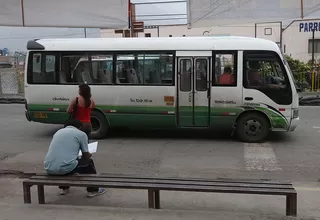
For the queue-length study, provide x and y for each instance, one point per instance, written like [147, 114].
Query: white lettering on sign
[309, 26]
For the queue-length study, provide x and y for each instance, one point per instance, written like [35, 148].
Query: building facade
[295, 39]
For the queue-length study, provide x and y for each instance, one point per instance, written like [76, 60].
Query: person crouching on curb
[62, 157]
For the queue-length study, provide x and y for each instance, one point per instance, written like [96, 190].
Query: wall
[296, 37]
[247, 30]
[180, 30]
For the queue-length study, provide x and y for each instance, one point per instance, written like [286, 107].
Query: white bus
[164, 83]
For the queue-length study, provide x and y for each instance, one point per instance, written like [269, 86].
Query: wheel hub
[95, 124]
[253, 127]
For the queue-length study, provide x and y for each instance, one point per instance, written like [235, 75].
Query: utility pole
[312, 60]
[302, 9]
[130, 18]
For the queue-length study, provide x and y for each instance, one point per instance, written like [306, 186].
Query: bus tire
[100, 125]
[253, 127]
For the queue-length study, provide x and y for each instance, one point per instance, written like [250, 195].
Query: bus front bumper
[294, 124]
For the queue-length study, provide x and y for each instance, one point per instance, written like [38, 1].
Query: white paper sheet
[92, 148]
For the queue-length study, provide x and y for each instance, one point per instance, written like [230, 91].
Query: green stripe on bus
[42, 107]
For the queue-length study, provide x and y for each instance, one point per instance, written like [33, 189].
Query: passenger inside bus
[256, 79]
[227, 78]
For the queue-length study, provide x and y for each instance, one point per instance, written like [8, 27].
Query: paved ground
[285, 156]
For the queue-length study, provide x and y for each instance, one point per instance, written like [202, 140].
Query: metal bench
[155, 185]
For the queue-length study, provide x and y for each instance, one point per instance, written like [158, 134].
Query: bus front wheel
[99, 124]
[252, 127]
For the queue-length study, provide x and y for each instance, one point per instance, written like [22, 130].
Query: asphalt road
[285, 156]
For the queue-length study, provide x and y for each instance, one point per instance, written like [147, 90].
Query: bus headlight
[295, 113]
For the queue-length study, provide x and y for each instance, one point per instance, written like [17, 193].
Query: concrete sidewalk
[40, 212]
[132, 204]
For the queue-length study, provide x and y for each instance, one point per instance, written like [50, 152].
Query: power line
[315, 8]
[164, 19]
[160, 15]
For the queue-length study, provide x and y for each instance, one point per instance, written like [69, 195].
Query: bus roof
[153, 44]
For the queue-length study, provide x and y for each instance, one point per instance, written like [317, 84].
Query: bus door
[194, 91]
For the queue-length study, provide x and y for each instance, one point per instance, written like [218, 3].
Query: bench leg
[41, 194]
[291, 206]
[26, 193]
[151, 198]
[157, 199]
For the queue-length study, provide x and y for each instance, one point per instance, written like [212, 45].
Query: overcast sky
[15, 38]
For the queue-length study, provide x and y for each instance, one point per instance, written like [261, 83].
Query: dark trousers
[86, 128]
[84, 168]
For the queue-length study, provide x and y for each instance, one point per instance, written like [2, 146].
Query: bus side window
[145, 69]
[65, 75]
[102, 71]
[36, 68]
[43, 69]
[225, 69]
[50, 69]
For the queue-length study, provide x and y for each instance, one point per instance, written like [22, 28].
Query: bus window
[145, 69]
[50, 63]
[264, 71]
[225, 69]
[36, 63]
[43, 69]
[201, 74]
[102, 71]
[185, 75]
[91, 69]
[127, 69]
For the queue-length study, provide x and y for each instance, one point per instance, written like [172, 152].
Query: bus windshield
[290, 72]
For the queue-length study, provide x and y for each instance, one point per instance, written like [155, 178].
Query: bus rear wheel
[252, 127]
[99, 124]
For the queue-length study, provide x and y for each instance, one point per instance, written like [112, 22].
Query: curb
[310, 105]
[11, 100]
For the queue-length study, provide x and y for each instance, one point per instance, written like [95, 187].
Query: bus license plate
[40, 115]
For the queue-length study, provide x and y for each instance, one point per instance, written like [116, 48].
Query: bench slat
[168, 187]
[160, 181]
[128, 176]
